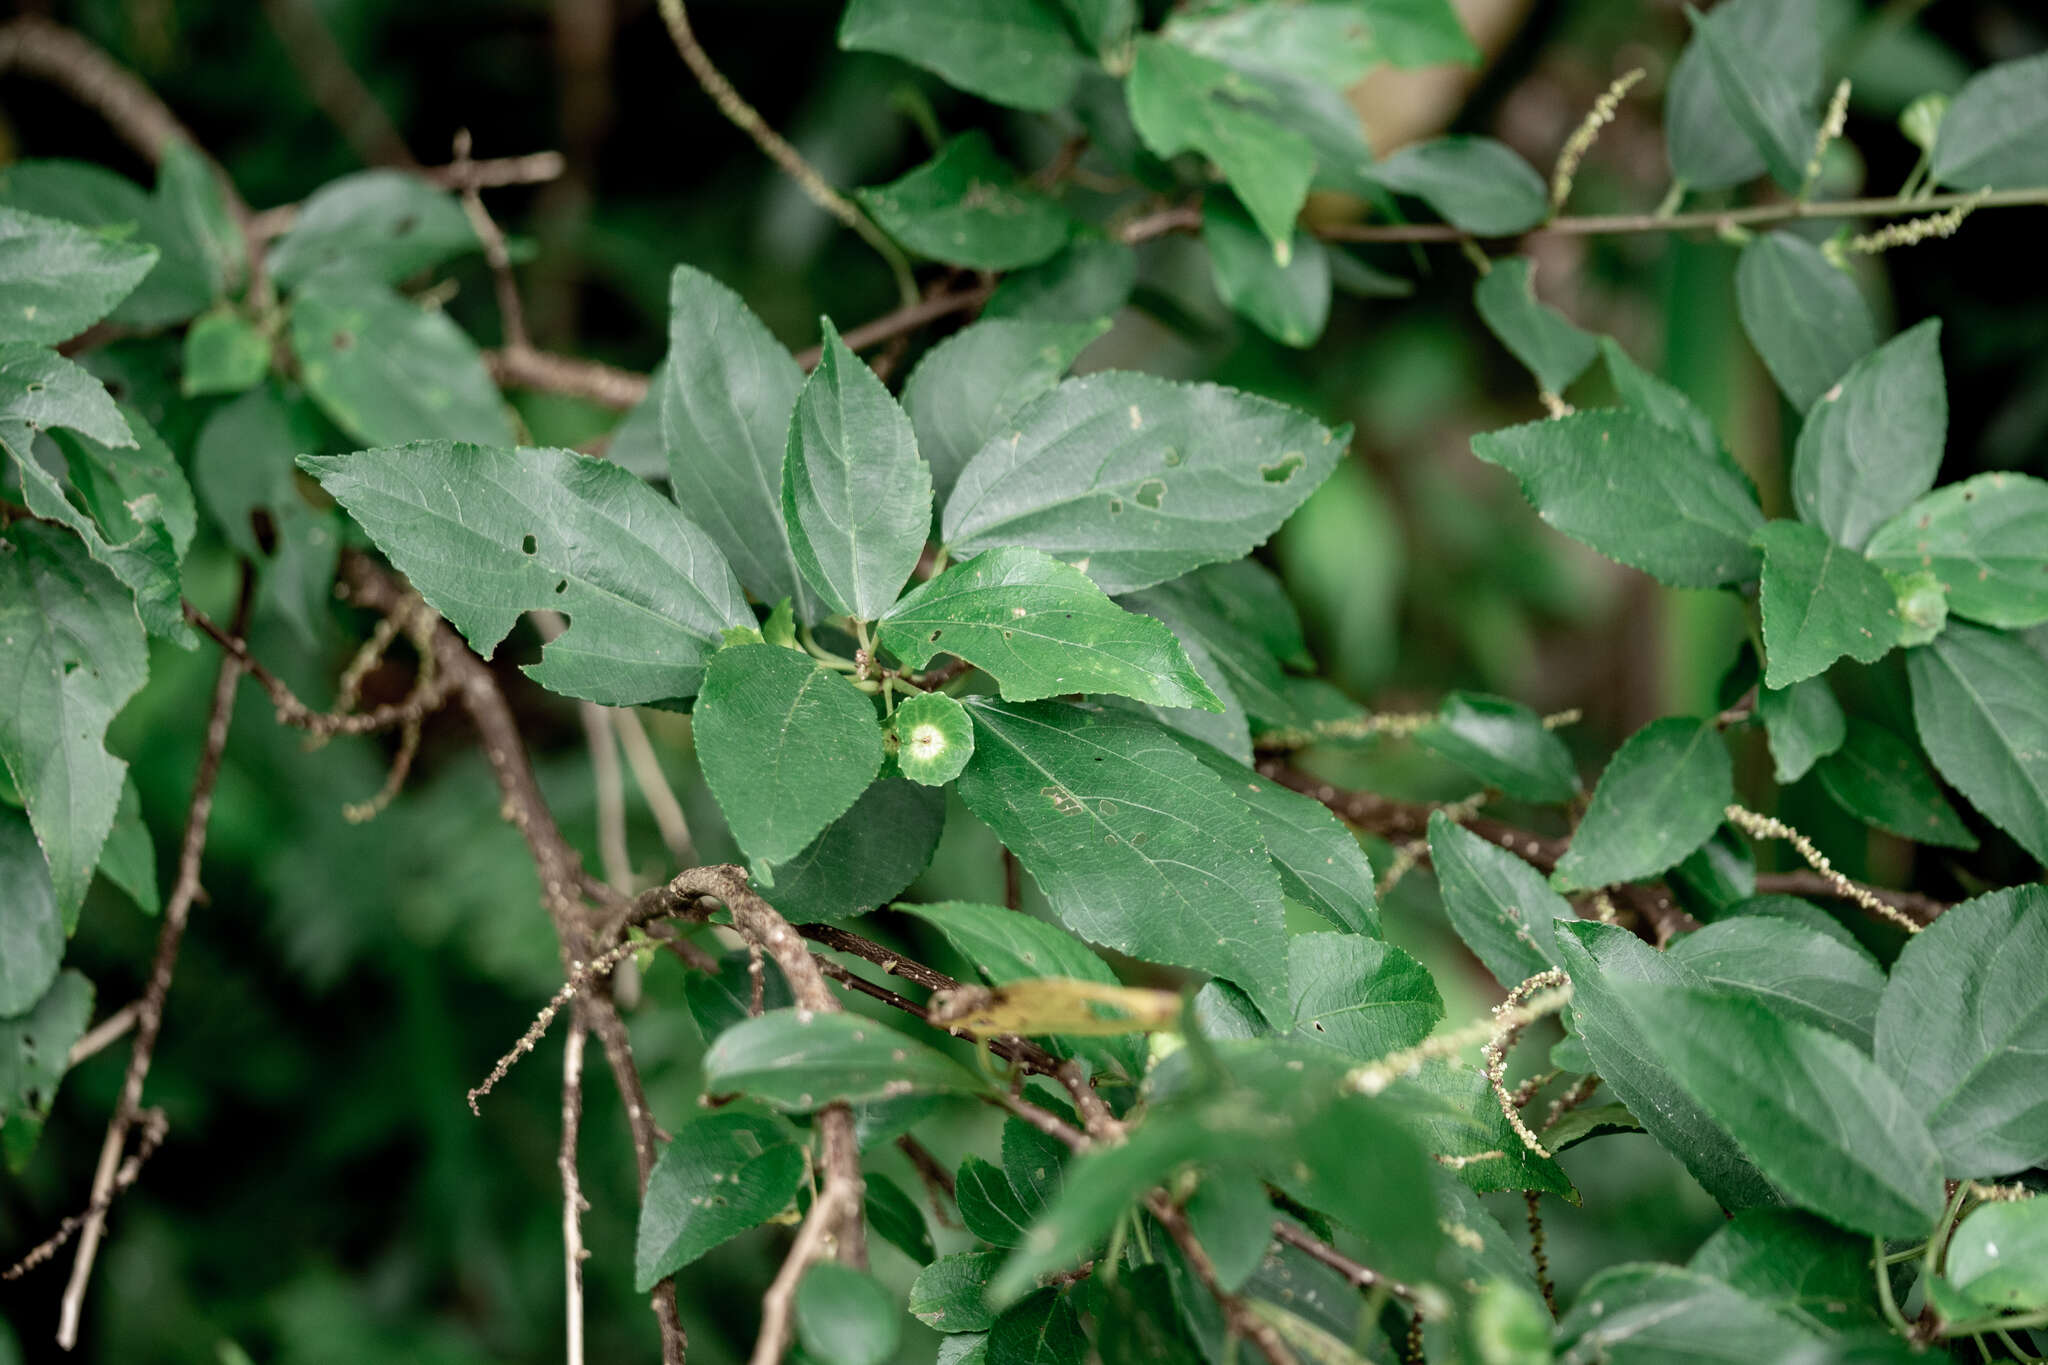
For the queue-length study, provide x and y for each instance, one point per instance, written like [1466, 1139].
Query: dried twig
[1239, 1317]
[152, 1126]
[334, 84]
[573, 1203]
[654, 788]
[104, 1034]
[149, 1016]
[431, 692]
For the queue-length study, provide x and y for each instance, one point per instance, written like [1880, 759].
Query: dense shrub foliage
[1161, 1081]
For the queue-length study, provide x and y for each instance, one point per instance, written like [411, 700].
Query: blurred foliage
[324, 1195]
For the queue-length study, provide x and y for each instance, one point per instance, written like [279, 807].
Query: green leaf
[947, 1295]
[723, 1174]
[1635, 491]
[723, 997]
[846, 1316]
[1504, 744]
[1182, 102]
[381, 224]
[1014, 52]
[1661, 797]
[1008, 945]
[1985, 538]
[389, 371]
[797, 1061]
[856, 495]
[1041, 629]
[1541, 337]
[1806, 319]
[1035, 1163]
[1087, 282]
[1319, 861]
[35, 1046]
[1135, 843]
[1873, 441]
[1794, 1264]
[1709, 150]
[57, 279]
[1823, 1121]
[1804, 723]
[71, 655]
[787, 745]
[1992, 135]
[1042, 1329]
[1962, 1028]
[224, 353]
[1653, 1314]
[190, 199]
[1101, 1183]
[1104, 25]
[132, 506]
[1475, 183]
[485, 534]
[968, 207]
[32, 927]
[1799, 972]
[1820, 602]
[1600, 959]
[186, 277]
[242, 471]
[1882, 780]
[1980, 700]
[970, 384]
[1765, 104]
[933, 738]
[1665, 405]
[1288, 300]
[988, 1206]
[1238, 627]
[967, 1349]
[1363, 997]
[724, 397]
[128, 858]
[1334, 42]
[1136, 480]
[864, 857]
[1997, 1256]
[1502, 907]
[1231, 1215]
[1454, 1113]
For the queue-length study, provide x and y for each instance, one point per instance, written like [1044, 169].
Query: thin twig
[938, 1181]
[1538, 1255]
[614, 855]
[152, 1126]
[547, 372]
[511, 312]
[777, 148]
[150, 1010]
[1362, 1276]
[433, 689]
[654, 788]
[573, 1204]
[104, 1034]
[904, 320]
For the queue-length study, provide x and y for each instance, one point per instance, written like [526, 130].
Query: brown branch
[488, 173]
[1362, 1276]
[511, 312]
[1920, 907]
[334, 85]
[903, 321]
[561, 877]
[550, 373]
[35, 46]
[835, 1224]
[938, 1181]
[149, 1015]
[1242, 1321]
[104, 1034]
[428, 696]
[153, 1126]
